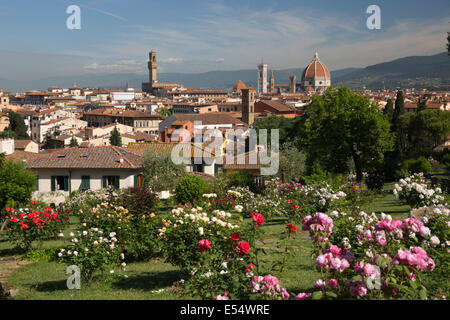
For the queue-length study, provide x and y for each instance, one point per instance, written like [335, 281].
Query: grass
[153, 279]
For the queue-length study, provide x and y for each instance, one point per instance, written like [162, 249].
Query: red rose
[205, 244]
[248, 270]
[9, 209]
[292, 227]
[259, 219]
[33, 202]
[250, 265]
[14, 219]
[235, 237]
[243, 247]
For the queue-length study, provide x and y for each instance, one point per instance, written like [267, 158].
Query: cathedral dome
[238, 86]
[316, 70]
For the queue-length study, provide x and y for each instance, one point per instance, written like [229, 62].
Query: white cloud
[120, 66]
[172, 60]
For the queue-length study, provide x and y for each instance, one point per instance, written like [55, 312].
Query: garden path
[8, 266]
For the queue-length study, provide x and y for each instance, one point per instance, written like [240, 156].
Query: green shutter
[85, 183]
[37, 183]
[66, 183]
[135, 180]
[53, 183]
[216, 168]
[117, 182]
[105, 182]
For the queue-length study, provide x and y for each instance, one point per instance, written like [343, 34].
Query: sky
[194, 36]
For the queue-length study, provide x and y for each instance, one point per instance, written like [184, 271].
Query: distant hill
[415, 71]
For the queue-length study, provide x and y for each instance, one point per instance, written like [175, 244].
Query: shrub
[415, 192]
[92, 250]
[375, 181]
[34, 224]
[190, 189]
[138, 201]
[417, 165]
[446, 161]
[243, 179]
[48, 254]
[135, 230]
[16, 183]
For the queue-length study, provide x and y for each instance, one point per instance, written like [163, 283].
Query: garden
[358, 210]
[334, 239]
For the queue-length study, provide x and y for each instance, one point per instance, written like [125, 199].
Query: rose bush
[26, 225]
[415, 192]
[92, 250]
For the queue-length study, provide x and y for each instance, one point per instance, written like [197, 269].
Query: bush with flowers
[362, 256]
[93, 250]
[438, 221]
[35, 223]
[136, 231]
[186, 226]
[417, 193]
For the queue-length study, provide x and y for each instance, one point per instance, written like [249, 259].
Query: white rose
[434, 240]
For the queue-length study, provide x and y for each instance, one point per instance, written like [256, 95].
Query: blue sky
[198, 36]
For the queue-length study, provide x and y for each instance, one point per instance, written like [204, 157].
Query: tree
[159, 171]
[73, 142]
[292, 162]
[389, 109]
[16, 183]
[17, 124]
[448, 43]
[423, 131]
[165, 112]
[8, 133]
[115, 139]
[422, 104]
[399, 109]
[342, 126]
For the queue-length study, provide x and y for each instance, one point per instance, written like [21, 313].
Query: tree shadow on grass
[50, 286]
[7, 252]
[149, 280]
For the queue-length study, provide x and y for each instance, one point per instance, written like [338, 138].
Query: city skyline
[200, 36]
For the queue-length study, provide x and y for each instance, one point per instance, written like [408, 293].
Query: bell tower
[152, 68]
[248, 105]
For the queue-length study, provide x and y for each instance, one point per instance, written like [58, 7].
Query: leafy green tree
[286, 127]
[73, 142]
[389, 109]
[190, 189]
[342, 126]
[16, 183]
[423, 131]
[8, 133]
[115, 139]
[17, 124]
[159, 172]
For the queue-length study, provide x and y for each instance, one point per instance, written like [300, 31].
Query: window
[138, 180]
[60, 183]
[111, 182]
[85, 183]
[198, 168]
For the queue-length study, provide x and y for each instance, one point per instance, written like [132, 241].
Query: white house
[91, 168]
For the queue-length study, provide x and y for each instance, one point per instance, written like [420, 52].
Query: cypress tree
[422, 104]
[73, 142]
[115, 139]
[389, 109]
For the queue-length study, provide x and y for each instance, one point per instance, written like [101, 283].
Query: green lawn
[153, 279]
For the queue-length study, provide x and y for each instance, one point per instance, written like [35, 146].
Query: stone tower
[262, 78]
[272, 82]
[292, 81]
[152, 68]
[248, 105]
